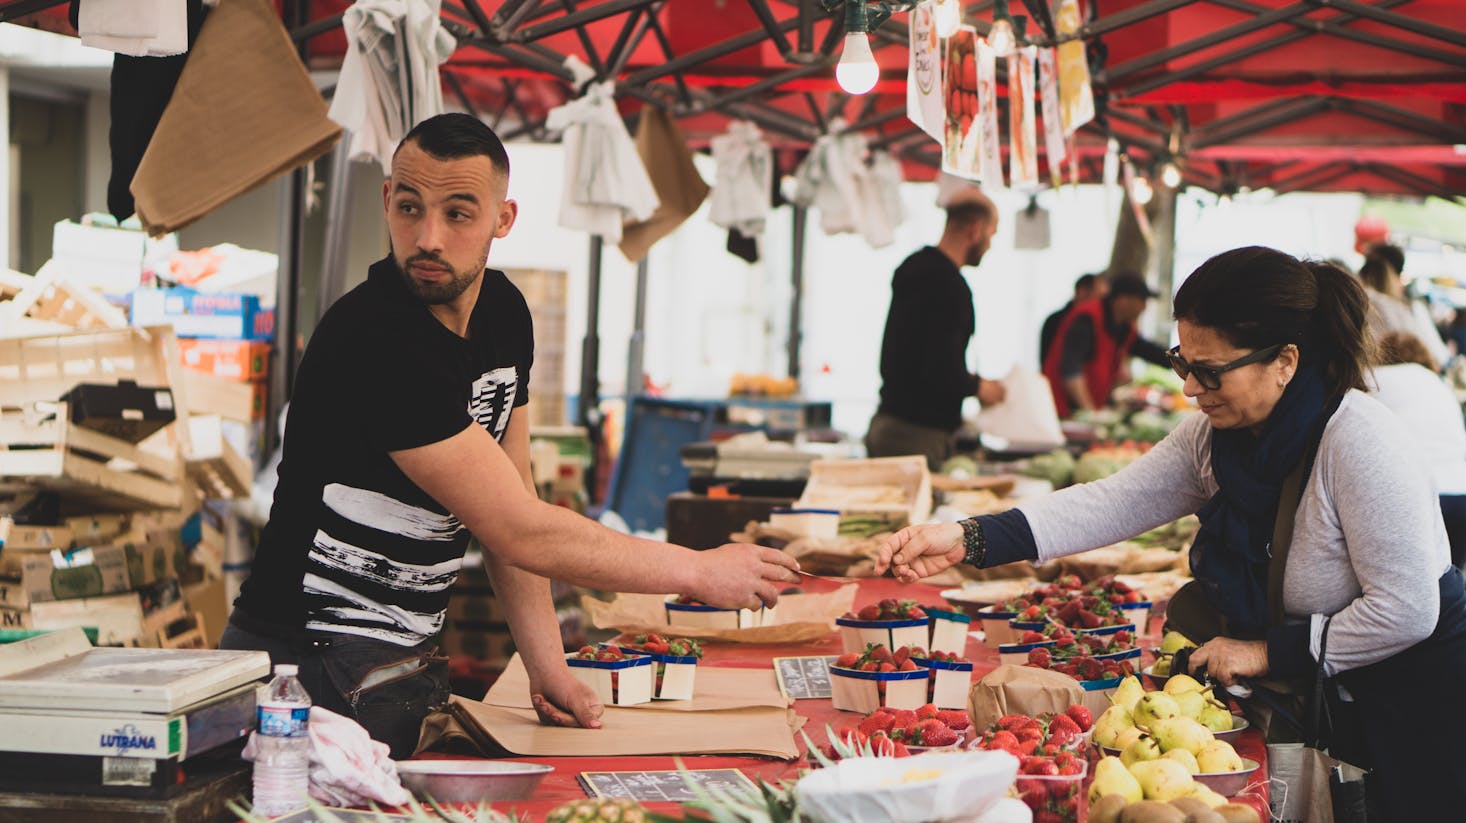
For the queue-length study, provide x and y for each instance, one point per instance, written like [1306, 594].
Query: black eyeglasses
[1210, 377]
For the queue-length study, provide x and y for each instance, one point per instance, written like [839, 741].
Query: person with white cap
[924, 375]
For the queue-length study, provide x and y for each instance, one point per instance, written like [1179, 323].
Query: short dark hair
[969, 212]
[455, 135]
[1390, 253]
[1085, 281]
[1256, 297]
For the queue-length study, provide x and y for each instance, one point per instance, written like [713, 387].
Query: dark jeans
[385, 687]
[1453, 511]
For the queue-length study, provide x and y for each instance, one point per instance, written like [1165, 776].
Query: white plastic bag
[1026, 418]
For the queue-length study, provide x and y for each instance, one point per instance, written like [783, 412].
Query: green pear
[1191, 704]
[1114, 720]
[1111, 777]
[1144, 748]
[1154, 706]
[1204, 793]
[1185, 758]
[1218, 757]
[1182, 683]
[1162, 666]
[1128, 693]
[1162, 779]
[1214, 716]
[1174, 642]
[1180, 733]
[1126, 737]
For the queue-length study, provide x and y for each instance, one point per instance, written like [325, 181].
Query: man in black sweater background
[924, 376]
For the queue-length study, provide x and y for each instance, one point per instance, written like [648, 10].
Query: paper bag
[1310, 796]
[680, 188]
[1027, 416]
[1012, 689]
[244, 112]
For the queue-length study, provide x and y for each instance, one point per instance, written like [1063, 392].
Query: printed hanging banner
[1022, 135]
[1076, 99]
[987, 102]
[1048, 84]
[961, 142]
[924, 73]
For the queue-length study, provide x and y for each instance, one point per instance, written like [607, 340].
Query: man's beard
[436, 293]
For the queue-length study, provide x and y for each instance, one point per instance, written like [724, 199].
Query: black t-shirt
[1079, 344]
[924, 376]
[353, 546]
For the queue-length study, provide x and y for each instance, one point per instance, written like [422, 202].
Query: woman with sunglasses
[1275, 352]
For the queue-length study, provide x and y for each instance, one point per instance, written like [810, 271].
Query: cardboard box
[91, 529]
[239, 360]
[118, 618]
[110, 259]
[207, 600]
[15, 619]
[14, 536]
[244, 402]
[12, 594]
[89, 572]
[199, 314]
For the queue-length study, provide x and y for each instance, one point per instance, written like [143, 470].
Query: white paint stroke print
[387, 514]
[493, 399]
[399, 625]
[336, 554]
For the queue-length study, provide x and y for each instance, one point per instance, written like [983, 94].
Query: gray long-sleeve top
[1369, 545]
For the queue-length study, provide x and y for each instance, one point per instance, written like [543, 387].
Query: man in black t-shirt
[924, 376]
[403, 440]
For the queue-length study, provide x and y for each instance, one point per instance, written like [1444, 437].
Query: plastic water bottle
[282, 762]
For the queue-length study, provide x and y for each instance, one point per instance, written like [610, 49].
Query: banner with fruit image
[924, 103]
[991, 167]
[1022, 126]
[1048, 87]
[1076, 98]
[962, 138]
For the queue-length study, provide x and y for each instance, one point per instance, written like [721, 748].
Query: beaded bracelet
[974, 543]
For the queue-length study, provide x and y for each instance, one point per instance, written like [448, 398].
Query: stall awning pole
[590, 363]
[636, 348]
[796, 301]
[338, 227]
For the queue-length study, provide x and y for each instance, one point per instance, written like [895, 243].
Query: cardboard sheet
[801, 617]
[641, 730]
[716, 689]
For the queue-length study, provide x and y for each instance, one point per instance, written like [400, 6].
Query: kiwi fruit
[1190, 805]
[1152, 811]
[1107, 810]
[1237, 813]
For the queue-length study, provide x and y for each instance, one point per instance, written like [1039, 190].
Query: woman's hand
[921, 551]
[1226, 659]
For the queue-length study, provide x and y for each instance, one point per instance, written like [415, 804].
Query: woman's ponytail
[1340, 327]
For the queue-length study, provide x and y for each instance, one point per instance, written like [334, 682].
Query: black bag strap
[1318, 713]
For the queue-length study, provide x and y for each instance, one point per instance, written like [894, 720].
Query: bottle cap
[287, 669]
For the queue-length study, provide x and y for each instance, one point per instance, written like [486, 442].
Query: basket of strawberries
[676, 662]
[888, 732]
[1051, 754]
[683, 610]
[618, 678]
[876, 677]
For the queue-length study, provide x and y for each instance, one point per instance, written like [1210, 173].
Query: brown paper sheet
[625, 731]
[1010, 689]
[243, 113]
[801, 617]
[716, 689]
[679, 187]
[1120, 558]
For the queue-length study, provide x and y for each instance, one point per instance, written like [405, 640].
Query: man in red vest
[1095, 341]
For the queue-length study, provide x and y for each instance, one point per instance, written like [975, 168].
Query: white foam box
[679, 673]
[950, 682]
[712, 617]
[857, 691]
[855, 635]
[632, 685]
[948, 631]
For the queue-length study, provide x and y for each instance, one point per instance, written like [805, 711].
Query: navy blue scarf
[1231, 552]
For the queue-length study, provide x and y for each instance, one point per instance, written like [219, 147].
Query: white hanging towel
[389, 74]
[141, 28]
[835, 179]
[606, 184]
[743, 190]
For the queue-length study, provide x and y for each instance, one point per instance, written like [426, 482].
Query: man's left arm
[558, 697]
[1149, 351]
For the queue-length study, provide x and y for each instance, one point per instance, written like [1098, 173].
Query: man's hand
[921, 551]
[1227, 659]
[562, 700]
[743, 576]
[991, 392]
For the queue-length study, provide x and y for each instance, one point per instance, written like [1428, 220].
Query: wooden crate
[213, 465]
[53, 298]
[880, 485]
[40, 447]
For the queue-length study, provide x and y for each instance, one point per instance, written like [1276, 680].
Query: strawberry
[879, 654]
[1081, 717]
[870, 613]
[904, 719]
[1045, 816]
[906, 666]
[1071, 768]
[937, 734]
[876, 722]
[1003, 740]
[870, 666]
[887, 667]
[927, 711]
[1065, 722]
[914, 613]
[900, 749]
[1060, 736]
[956, 719]
[1032, 637]
[1039, 657]
[902, 655]
[1031, 613]
[1089, 619]
[1034, 732]
[847, 660]
[1026, 747]
[1014, 721]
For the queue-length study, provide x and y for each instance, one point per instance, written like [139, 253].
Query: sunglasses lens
[1208, 378]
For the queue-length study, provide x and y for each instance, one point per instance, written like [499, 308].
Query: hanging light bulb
[1140, 190]
[948, 17]
[1000, 37]
[857, 72]
[1171, 175]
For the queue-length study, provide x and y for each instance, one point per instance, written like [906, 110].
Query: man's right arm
[471, 476]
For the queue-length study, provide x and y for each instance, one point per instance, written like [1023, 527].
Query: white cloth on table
[743, 191]
[389, 74]
[606, 184]
[347, 767]
[141, 28]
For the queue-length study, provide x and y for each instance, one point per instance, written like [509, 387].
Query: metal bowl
[471, 781]
[1239, 724]
[1228, 784]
